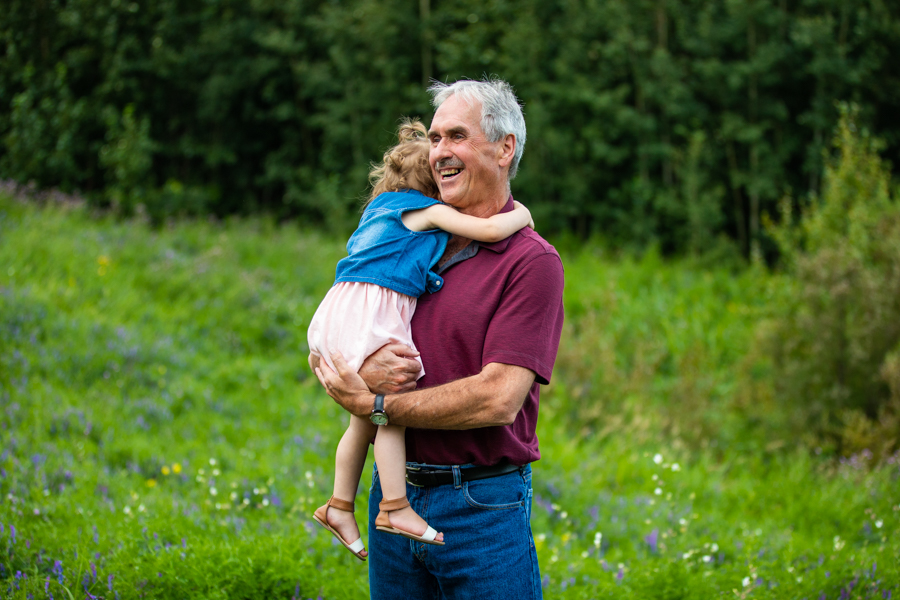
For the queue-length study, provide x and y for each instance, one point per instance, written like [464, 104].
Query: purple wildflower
[652, 540]
[620, 575]
[93, 573]
[12, 533]
[109, 581]
[57, 570]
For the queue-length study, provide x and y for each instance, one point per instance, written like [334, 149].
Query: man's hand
[345, 386]
[392, 369]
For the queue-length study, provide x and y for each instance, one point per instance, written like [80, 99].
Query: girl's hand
[519, 205]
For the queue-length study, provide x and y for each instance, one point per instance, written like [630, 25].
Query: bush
[832, 340]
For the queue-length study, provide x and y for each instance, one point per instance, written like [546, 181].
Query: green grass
[160, 428]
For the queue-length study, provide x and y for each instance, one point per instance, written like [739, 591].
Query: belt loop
[457, 477]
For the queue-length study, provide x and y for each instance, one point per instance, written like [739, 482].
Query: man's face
[464, 163]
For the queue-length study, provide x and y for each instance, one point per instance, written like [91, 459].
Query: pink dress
[357, 319]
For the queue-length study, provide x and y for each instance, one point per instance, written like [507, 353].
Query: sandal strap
[339, 504]
[395, 504]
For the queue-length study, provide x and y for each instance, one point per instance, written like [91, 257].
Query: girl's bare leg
[348, 465]
[390, 456]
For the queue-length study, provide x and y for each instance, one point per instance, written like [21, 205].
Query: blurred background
[177, 181]
[678, 123]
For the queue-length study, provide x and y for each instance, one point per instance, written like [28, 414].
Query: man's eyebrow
[450, 131]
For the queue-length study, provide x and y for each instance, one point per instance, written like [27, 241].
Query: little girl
[403, 232]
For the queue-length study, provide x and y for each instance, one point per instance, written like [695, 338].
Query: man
[487, 339]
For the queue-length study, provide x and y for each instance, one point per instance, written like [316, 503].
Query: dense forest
[668, 122]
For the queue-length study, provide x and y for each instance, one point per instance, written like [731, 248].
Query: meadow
[162, 436]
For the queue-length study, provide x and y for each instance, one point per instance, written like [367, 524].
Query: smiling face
[470, 171]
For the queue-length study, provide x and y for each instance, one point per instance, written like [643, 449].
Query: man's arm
[392, 369]
[492, 397]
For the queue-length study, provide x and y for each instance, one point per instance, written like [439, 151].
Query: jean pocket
[495, 493]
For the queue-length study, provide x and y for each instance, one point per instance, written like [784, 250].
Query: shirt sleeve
[526, 328]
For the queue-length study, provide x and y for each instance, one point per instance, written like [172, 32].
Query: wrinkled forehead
[457, 112]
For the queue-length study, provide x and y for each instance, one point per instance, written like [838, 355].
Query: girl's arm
[492, 229]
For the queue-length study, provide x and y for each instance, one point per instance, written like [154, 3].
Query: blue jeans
[489, 551]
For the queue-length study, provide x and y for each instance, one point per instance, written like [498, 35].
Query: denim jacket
[385, 252]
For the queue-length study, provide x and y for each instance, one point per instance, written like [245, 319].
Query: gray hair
[501, 113]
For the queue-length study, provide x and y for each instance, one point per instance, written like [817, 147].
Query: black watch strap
[379, 402]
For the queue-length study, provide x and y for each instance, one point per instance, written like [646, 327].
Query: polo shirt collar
[472, 249]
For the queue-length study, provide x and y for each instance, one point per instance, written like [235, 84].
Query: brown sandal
[320, 516]
[383, 522]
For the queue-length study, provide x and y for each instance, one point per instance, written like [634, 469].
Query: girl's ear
[507, 150]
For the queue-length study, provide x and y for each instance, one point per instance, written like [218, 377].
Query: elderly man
[488, 339]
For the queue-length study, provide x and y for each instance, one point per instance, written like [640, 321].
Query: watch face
[379, 418]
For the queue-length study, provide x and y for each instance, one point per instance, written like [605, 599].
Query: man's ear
[507, 150]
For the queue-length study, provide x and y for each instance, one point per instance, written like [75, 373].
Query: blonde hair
[405, 166]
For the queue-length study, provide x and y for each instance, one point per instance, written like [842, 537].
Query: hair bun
[411, 130]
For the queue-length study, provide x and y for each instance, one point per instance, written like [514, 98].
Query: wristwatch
[378, 416]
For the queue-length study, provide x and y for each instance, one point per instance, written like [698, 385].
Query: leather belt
[425, 477]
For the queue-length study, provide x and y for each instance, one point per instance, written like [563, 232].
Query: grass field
[162, 436]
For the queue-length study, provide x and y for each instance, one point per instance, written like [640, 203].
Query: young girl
[402, 233]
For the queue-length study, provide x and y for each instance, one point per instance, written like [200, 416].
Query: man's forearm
[490, 398]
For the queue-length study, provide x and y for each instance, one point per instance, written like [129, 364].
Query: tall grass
[163, 438]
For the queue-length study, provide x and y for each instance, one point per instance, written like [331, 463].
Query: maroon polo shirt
[501, 305]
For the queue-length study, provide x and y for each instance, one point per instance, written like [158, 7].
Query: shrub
[831, 342]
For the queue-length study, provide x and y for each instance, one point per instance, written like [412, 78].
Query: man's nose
[440, 151]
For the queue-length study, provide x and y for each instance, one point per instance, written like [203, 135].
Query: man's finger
[340, 364]
[401, 350]
[321, 378]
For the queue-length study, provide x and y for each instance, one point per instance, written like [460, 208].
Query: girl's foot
[406, 519]
[398, 518]
[345, 524]
[337, 517]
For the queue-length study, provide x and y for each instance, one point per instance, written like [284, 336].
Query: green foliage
[161, 436]
[127, 156]
[42, 141]
[831, 344]
[674, 123]
[653, 346]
